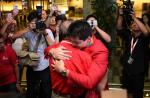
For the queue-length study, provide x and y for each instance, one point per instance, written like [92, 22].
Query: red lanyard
[133, 45]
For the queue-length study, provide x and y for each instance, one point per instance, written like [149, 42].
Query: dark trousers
[134, 84]
[8, 88]
[38, 83]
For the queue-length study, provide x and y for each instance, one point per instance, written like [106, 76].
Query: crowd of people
[72, 55]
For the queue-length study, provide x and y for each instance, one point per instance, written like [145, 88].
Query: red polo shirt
[8, 59]
[79, 63]
[99, 54]
[97, 70]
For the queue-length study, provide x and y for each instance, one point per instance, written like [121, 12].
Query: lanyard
[133, 45]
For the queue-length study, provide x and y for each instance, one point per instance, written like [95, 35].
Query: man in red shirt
[9, 73]
[89, 78]
[95, 73]
[60, 84]
[92, 79]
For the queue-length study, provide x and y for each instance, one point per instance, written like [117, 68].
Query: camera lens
[92, 22]
[40, 25]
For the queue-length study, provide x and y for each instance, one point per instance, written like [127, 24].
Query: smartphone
[9, 16]
[39, 10]
[92, 23]
[54, 7]
[63, 12]
[15, 9]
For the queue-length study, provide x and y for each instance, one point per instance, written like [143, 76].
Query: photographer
[146, 20]
[9, 73]
[50, 18]
[99, 33]
[38, 77]
[136, 38]
[9, 27]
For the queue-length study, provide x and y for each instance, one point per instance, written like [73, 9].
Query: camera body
[127, 10]
[39, 12]
[127, 7]
[40, 25]
[9, 16]
[15, 10]
[92, 23]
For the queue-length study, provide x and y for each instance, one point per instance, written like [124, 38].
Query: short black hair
[79, 29]
[61, 17]
[91, 15]
[63, 29]
[148, 16]
[32, 15]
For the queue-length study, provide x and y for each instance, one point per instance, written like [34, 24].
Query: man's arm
[88, 80]
[20, 33]
[95, 72]
[59, 53]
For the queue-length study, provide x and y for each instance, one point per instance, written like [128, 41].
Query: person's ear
[89, 41]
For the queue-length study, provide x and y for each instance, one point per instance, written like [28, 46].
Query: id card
[130, 60]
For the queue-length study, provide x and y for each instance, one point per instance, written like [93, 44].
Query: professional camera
[61, 17]
[92, 23]
[40, 25]
[39, 12]
[127, 7]
[127, 10]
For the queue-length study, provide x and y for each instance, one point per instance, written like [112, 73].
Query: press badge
[130, 60]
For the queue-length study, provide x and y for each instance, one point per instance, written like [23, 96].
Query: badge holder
[130, 60]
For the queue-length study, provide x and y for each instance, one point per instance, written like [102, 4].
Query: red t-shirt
[79, 63]
[97, 69]
[99, 54]
[8, 59]
[96, 72]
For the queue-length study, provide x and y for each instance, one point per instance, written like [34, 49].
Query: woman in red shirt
[9, 73]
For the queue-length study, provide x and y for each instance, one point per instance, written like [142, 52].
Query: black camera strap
[37, 43]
